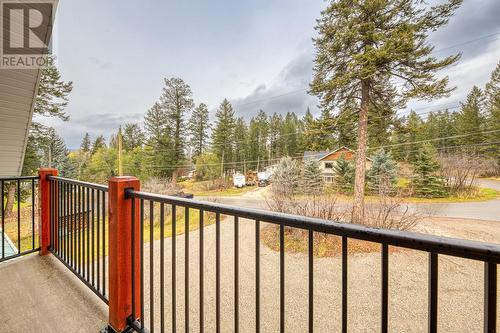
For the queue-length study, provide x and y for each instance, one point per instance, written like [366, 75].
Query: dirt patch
[297, 241]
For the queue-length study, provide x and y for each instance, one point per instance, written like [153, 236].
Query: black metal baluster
[103, 208]
[217, 272]
[72, 214]
[344, 284]
[186, 270]
[51, 221]
[490, 297]
[151, 265]
[19, 216]
[87, 227]
[92, 233]
[257, 276]
[98, 239]
[433, 291]
[3, 218]
[79, 226]
[93, 236]
[132, 257]
[311, 280]
[236, 275]
[65, 221]
[33, 212]
[162, 274]
[174, 272]
[385, 287]
[142, 260]
[202, 322]
[282, 278]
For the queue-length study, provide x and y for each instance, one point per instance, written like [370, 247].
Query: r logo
[26, 27]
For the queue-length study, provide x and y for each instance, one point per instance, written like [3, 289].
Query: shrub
[344, 175]
[286, 178]
[207, 166]
[425, 182]
[382, 176]
[312, 180]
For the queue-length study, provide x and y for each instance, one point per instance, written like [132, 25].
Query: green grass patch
[481, 194]
[202, 189]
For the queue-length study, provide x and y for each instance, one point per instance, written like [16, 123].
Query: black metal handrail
[30, 184]
[434, 245]
[78, 227]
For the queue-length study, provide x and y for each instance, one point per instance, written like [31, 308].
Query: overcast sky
[256, 53]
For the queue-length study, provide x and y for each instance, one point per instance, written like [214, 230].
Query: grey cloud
[287, 92]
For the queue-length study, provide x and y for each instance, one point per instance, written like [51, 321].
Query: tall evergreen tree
[361, 44]
[86, 143]
[240, 140]
[198, 129]
[492, 93]
[159, 143]
[291, 135]
[470, 119]
[223, 133]
[176, 100]
[132, 137]
[100, 142]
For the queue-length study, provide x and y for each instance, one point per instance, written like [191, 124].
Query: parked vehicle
[263, 183]
[239, 181]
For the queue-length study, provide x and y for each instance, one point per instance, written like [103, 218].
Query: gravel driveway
[460, 288]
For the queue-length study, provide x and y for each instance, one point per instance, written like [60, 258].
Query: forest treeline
[176, 134]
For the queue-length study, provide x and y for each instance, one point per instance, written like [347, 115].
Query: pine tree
[361, 45]
[312, 180]
[133, 137]
[258, 134]
[223, 133]
[100, 142]
[291, 135]
[307, 130]
[425, 182]
[492, 93]
[198, 129]
[53, 93]
[470, 119]
[240, 140]
[158, 150]
[86, 143]
[382, 176]
[276, 141]
[344, 175]
[176, 101]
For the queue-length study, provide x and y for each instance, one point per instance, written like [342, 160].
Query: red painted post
[120, 252]
[44, 208]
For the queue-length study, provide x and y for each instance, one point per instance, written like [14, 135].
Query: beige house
[327, 160]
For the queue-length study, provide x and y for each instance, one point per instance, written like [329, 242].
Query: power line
[318, 155]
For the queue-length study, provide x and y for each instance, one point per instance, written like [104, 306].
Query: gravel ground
[460, 285]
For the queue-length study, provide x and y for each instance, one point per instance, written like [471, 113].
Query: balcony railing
[19, 232]
[106, 236]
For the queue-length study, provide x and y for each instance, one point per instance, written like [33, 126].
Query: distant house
[327, 160]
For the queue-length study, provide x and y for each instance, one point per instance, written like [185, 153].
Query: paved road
[482, 210]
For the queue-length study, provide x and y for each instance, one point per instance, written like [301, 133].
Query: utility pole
[50, 156]
[258, 151]
[222, 165]
[120, 160]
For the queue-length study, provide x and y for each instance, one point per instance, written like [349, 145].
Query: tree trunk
[11, 197]
[358, 211]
